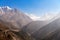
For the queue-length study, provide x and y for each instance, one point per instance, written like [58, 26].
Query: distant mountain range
[27, 29]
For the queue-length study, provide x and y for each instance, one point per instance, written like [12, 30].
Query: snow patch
[7, 7]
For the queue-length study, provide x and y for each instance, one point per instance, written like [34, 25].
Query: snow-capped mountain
[13, 18]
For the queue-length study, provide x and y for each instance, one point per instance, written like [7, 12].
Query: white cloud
[41, 18]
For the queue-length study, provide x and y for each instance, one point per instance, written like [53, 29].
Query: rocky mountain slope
[11, 22]
[13, 18]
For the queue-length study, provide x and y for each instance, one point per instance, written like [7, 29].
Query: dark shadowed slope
[42, 30]
[35, 25]
[49, 31]
[29, 29]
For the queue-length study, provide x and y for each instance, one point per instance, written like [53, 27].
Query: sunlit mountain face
[11, 21]
[14, 16]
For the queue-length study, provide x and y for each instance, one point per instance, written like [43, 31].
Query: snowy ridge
[6, 7]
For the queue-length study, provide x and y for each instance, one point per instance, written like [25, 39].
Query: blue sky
[37, 7]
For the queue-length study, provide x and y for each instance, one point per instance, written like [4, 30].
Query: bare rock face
[6, 33]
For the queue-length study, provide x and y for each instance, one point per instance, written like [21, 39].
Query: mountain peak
[13, 17]
[6, 7]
